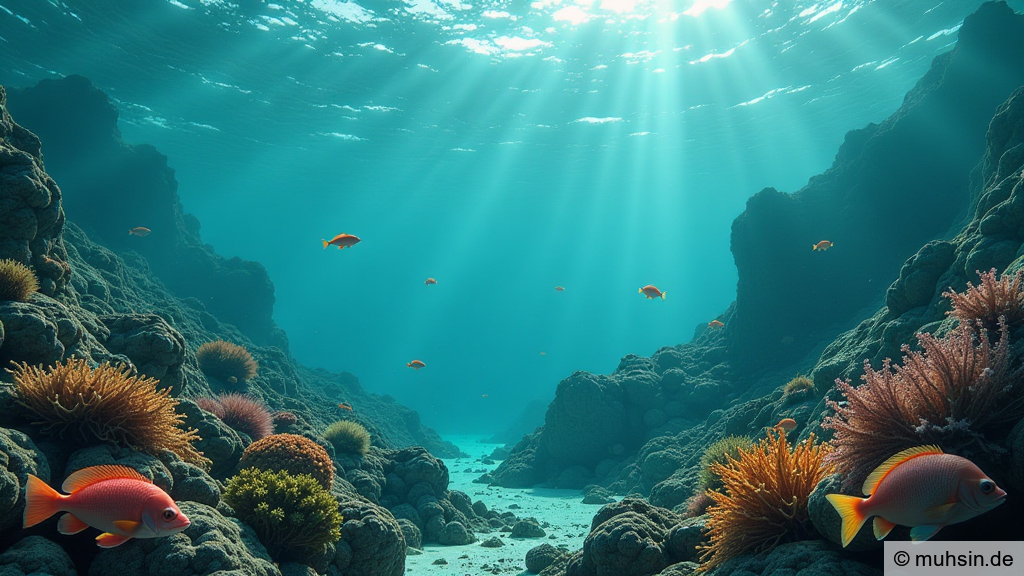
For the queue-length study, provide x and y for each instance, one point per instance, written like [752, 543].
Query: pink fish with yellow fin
[920, 487]
[116, 499]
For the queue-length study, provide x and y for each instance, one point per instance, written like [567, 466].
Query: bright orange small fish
[823, 245]
[715, 324]
[919, 487]
[787, 424]
[430, 281]
[415, 364]
[345, 406]
[652, 292]
[559, 289]
[342, 241]
[116, 499]
[139, 231]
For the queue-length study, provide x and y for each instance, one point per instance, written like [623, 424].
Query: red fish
[430, 281]
[116, 499]
[415, 364]
[559, 289]
[652, 292]
[715, 324]
[342, 241]
[823, 245]
[919, 487]
[345, 406]
[787, 424]
[139, 231]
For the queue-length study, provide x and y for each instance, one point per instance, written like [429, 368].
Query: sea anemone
[948, 394]
[17, 281]
[226, 361]
[290, 452]
[348, 437]
[293, 515]
[989, 301]
[720, 453]
[210, 405]
[104, 404]
[797, 389]
[245, 414]
[764, 501]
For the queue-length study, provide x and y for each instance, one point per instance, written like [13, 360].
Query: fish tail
[849, 509]
[326, 243]
[663, 295]
[814, 247]
[41, 501]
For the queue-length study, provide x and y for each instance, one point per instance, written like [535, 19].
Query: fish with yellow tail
[651, 292]
[920, 487]
[116, 499]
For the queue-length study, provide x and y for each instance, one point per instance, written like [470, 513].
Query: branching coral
[720, 453]
[226, 361]
[948, 394]
[989, 301]
[17, 281]
[764, 501]
[296, 454]
[105, 404]
[293, 515]
[348, 437]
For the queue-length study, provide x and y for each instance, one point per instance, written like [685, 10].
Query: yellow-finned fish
[651, 292]
[823, 245]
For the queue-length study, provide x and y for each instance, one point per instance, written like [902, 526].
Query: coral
[719, 453]
[293, 515]
[348, 437]
[947, 394]
[296, 454]
[226, 361]
[17, 281]
[698, 504]
[284, 419]
[797, 389]
[36, 555]
[764, 502]
[245, 414]
[105, 404]
[989, 301]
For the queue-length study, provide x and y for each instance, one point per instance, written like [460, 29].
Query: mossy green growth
[17, 281]
[293, 516]
[348, 437]
[720, 452]
[798, 389]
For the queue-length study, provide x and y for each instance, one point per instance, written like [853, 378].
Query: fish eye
[987, 486]
[169, 514]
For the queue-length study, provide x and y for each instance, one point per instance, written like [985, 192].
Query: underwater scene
[556, 287]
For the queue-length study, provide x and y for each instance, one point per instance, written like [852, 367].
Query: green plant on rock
[720, 453]
[17, 281]
[226, 361]
[798, 389]
[293, 516]
[348, 437]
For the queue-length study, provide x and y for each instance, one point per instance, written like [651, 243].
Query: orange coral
[226, 361]
[105, 404]
[764, 502]
[987, 302]
[292, 453]
[946, 394]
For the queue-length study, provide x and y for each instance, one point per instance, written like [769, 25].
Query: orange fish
[342, 241]
[652, 292]
[715, 324]
[139, 231]
[430, 281]
[823, 245]
[116, 499]
[919, 487]
[559, 289]
[787, 424]
[415, 364]
[345, 406]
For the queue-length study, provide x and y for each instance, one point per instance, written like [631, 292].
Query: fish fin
[882, 527]
[875, 478]
[814, 247]
[127, 526]
[938, 512]
[93, 474]
[663, 295]
[922, 533]
[108, 540]
[641, 291]
[70, 524]
[326, 243]
[41, 501]
[848, 508]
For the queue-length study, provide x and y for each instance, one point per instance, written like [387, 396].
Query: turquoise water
[503, 148]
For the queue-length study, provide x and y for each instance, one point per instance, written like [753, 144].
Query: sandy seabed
[561, 512]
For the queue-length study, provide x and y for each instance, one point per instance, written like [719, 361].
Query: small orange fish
[342, 241]
[345, 406]
[920, 487]
[787, 424]
[652, 292]
[415, 364]
[559, 289]
[823, 245]
[715, 324]
[116, 499]
[139, 231]
[430, 281]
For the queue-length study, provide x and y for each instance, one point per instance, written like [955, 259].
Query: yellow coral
[226, 361]
[764, 502]
[17, 281]
[105, 404]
